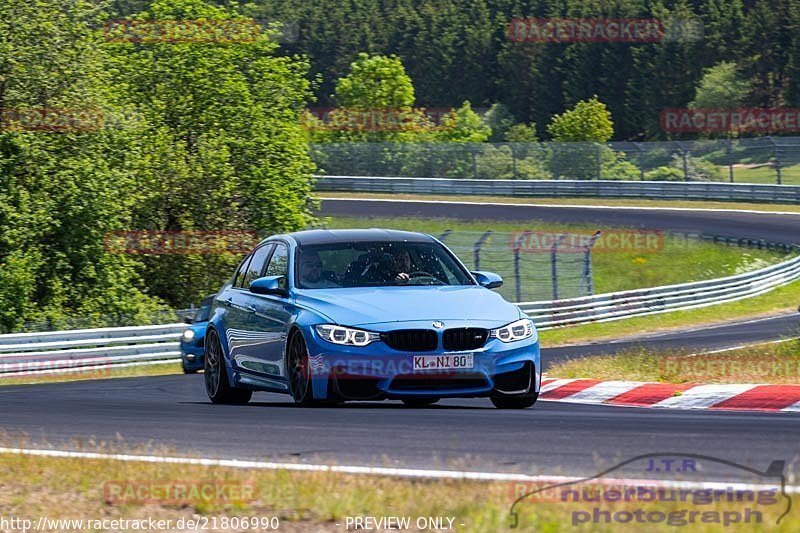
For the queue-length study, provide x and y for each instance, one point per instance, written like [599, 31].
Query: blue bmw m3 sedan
[334, 315]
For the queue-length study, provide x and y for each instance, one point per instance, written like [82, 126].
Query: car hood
[361, 306]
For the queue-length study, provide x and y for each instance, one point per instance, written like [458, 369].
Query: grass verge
[80, 489]
[777, 363]
[620, 202]
[104, 373]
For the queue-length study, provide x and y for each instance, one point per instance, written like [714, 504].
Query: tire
[216, 376]
[514, 402]
[419, 402]
[298, 370]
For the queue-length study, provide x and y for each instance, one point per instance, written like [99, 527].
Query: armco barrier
[640, 302]
[653, 190]
[88, 351]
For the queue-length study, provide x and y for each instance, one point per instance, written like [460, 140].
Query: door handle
[228, 302]
[250, 308]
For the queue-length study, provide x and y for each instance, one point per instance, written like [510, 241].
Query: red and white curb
[775, 398]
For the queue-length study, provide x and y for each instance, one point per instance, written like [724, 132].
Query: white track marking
[554, 385]
[674, 331]
[794, 408]
[742, 346]
[603, 391]
[383, 471]
[570, 206]
[703, 396]
[730, 323]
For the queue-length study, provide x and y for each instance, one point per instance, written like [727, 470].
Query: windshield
[375, 264]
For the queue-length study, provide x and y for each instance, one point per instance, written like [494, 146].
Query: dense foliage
[458, 51]
[194, 136]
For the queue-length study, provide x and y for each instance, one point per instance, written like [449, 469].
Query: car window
[279, 264]
[364, 264]
[256, 266]
[239, 277]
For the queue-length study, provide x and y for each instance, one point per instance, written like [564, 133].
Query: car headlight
[516, 331]
[346, 336]
[188, 335]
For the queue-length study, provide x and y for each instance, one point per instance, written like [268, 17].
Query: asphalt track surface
[731, 335]
[469, 434]
[173, 413]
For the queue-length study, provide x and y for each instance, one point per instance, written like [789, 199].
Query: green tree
[589, 120]
[62, 190]
[500, 120]
[221, 142]
[375, 82]
[463, 125]
[522, 133]
[720, 88]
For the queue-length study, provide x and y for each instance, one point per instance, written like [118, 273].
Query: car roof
[327, 236]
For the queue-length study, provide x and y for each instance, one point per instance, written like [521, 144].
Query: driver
[401, 267]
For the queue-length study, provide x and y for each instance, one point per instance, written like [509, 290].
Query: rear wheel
[514, 402]
[215, 375]
[419, 402]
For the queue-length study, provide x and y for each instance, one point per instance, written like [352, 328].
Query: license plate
[442, 362]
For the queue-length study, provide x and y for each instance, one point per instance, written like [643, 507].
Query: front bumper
[192, 355]
[377, 372]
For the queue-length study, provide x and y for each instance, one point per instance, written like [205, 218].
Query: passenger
[311, 272]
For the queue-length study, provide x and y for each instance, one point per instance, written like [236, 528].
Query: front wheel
[215, 375]
[299, 370]
[514, 402]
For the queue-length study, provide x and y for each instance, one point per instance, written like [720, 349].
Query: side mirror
[490, 280]
[268, 285]
[189, 319]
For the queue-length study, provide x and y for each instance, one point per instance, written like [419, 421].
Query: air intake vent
[459, 339]
[453, 380]
[412, 340]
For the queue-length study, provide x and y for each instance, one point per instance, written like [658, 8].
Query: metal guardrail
[627, 304]
[88, 351]
[653, 190]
